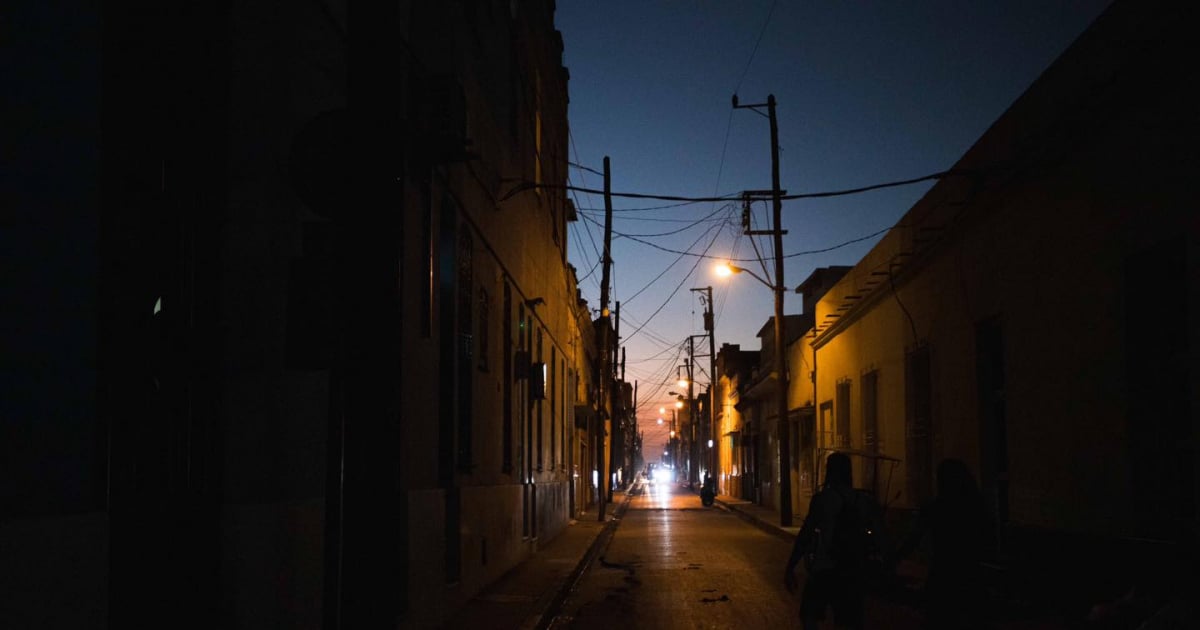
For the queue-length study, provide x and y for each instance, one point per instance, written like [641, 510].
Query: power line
[754, 244]
[734, 259]
[524, 186]
[668, 268]
[646, 209]
[595, 213]
[756, 43]
[694, 223]
[841, 245]
[585, 168]
[681, 283]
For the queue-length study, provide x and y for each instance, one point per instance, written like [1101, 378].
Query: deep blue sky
[867, 92]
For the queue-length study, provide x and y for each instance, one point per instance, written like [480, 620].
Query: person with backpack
[838, 541]
[963, 535]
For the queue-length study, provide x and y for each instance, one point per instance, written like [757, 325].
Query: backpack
[853, 542]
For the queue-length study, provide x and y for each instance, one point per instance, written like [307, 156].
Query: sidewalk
[526, 596]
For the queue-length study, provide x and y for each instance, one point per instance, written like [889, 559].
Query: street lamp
[725, 270]
[785, 485]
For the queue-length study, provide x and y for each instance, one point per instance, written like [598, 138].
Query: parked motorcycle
[708, 492]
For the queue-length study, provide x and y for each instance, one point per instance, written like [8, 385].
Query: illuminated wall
[1028, 316]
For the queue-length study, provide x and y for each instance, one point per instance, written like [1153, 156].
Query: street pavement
[532, 595]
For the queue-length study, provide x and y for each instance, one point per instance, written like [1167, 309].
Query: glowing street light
[660, 419]
[725, 270]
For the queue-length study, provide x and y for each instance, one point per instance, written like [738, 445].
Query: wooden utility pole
[693, 452]
[710, 328]
[605, 371]
[783, 426]
[785, 437]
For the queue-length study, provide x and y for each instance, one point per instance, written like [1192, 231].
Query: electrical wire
[524, 186]
[694, 223]
[841, 245]
[585, 168]
[649, 332]
[761, 259]
[735, 259]
[600, 213]
[664, 271]
[681, 283]
[646, 209]
[758, 41]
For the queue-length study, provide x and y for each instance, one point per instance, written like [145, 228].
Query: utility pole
[783, 426]
[710, 328]
[605, 371]
[616, 437]
[694, 454]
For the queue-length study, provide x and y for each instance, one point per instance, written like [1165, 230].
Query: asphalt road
[673, 563]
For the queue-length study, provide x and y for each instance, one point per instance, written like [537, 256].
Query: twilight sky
[867, 92]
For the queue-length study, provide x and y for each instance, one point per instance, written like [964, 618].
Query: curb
[782, 534]
[550, 613]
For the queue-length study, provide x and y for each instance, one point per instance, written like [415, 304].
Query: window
[507, 340]
[427, 240]
[466, 274]
[993, 429]
[485, 323]
[825, 434]
[870, 411]
[540, 404]
[842, 408]
[553, 406]
[918, 425]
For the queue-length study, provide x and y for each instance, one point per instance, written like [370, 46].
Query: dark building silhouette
[286, 350]
[1034, 315]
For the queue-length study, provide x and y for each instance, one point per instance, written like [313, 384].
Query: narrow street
[673, 563]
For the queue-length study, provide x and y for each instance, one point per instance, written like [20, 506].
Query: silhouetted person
[838, 535]
[962, 536]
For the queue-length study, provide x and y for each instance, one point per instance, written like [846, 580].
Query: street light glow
[683, 382]
[725, 270]
[679, 404]
[660, 419]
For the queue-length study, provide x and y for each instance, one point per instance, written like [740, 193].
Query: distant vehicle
[662, 475]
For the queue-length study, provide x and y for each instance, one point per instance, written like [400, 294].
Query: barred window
[484, 324]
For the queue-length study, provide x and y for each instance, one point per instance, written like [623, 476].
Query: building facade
[330, 353]
[1035, 316]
